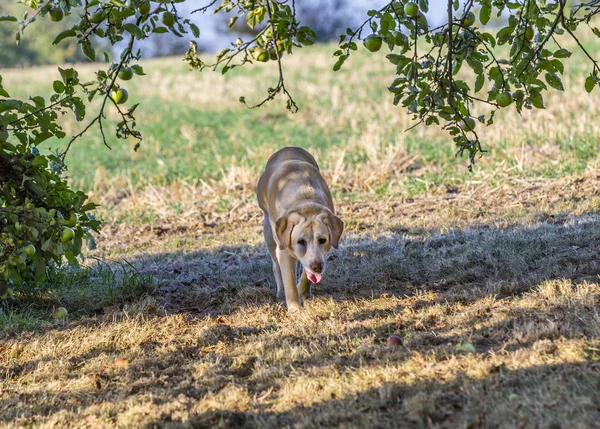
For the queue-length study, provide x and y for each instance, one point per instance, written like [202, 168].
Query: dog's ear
[336, 227]
[284, 226]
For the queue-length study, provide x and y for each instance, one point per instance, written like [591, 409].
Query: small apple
[120, 95]
[467, 124]
[56, 14]
[126, 73]
[280, 46]
[261, 54]
[60, 313]
[411, 9]
[395, 340]
[96, 18]
[529, 33]
[373, 43]
[469, 19]
[273, 54]
[72, 221]
[67, 235]
[29, 250]
[144, 7]
[504, 99]
[168, 19]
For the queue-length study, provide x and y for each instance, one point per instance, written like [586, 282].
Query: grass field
[490, 277]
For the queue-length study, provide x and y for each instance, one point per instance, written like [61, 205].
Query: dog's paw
[306, 295]
[293, 307]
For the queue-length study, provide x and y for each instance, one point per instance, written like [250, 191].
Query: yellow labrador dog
[300, 221]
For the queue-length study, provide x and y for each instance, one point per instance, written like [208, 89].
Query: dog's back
[291, 154]
[286, 161]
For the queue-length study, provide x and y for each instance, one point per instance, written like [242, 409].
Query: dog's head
[309, 236]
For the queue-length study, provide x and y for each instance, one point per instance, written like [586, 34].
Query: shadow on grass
[471, 273]
[507, 398]
[460, 266]
[540, 396]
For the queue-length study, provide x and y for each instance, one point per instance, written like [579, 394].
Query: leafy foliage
[36, 204]
[32, 49]
[428, 61]
[522, 59]
[42, 221]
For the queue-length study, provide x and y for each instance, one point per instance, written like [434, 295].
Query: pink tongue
[315, 278]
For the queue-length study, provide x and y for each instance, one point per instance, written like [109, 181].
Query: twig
[292, 106]
[37, 12]
[204, 9]
[559, 16]
[37, 111]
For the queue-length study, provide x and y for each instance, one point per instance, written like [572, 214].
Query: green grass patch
[83, 291]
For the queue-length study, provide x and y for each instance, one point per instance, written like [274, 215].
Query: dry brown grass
[512, 270]
[502, 260]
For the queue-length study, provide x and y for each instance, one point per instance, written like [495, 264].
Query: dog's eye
[302, 242]
[322, 240]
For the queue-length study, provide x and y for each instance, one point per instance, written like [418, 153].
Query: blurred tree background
[328, 19]
[35, 47]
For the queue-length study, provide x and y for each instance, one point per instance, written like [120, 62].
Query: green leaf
[195, 30]
[558, 66]
[485, 13]
[306, 36]
[3, 92]
[88, 51]
[134, 30]
[487, 37]
[255, 17]
[387, 23]
[63, 35]
[536, 99]
[479, 81]
[475, 65]
[58, 86]
[590, 82]
[502, 35]
[340, 62]
[8, 18]
[138, 70]
[562, 53]
[554, 81]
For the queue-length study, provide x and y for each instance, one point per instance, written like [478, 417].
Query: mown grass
[503, 260]
[195, 128]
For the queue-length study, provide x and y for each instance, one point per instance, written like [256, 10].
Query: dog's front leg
[287, 265]
[304, 286]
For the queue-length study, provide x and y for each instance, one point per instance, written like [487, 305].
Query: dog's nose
[316, 267]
